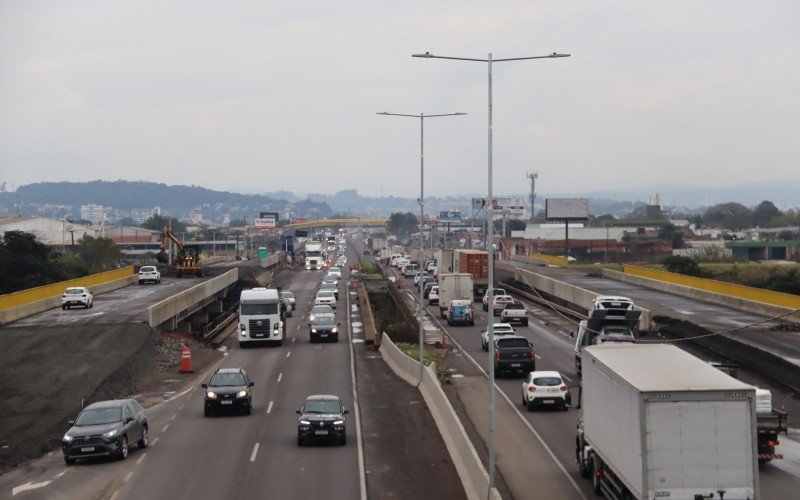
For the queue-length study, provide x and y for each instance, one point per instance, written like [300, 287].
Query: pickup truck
[514, 312]
[514, 354]
[498, 329]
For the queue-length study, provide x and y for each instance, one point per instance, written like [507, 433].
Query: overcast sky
[255, 96]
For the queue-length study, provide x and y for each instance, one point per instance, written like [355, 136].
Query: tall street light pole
[490, 241]
[421, 117]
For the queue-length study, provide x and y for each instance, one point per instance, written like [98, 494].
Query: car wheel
[249, 409]
[343, 440]
[530, 405]
[123, 448]
[584, 471]
[141, 282]
[63, 307]
[91, 304]
[525, 323]
[299, 441]
[143, 442]
[206, 412]
[69, 461]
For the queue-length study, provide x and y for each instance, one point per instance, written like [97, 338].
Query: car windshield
[324, 320]
[513, 343]
[99, 416]
[147, 269]
[334, 270]
[547, 381]
[322, 310]
[258, 309]
[322, 406]
[324, 294]
[287, 295]
[227, 379]
[328, 286]
[74, 291]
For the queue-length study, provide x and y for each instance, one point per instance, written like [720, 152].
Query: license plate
[321, 433]
[516, 365]
[548, 401]
[226, 402]
[323, 334]
[87, 449]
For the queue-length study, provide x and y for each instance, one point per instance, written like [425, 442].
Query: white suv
[546, 389]
[498, 329]
[77, 296]
[149, 273]
[325, 298]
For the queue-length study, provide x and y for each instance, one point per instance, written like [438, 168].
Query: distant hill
[129, 196]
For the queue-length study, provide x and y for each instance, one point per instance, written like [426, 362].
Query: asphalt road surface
[549, 335]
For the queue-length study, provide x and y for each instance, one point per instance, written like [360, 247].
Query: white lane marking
[280, 376]
[61, 473]
[28, 486]
[298, 327]
[141, 458]
[127, 477]
[288, 354]
[253, 455]
[566, 378]
[362, 475]
[114, 495]
[537, 356]
[165, 428]
[269, 407]
[154, 442]
[294, 338]
[172, 417]
[181, 406]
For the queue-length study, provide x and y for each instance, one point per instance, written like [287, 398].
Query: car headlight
[305, 422]
[67, 438]
[243, 333]
[313, 330]
[241, 394]
[334, 330]
[211, 395]
[339, 422]
[110, 433]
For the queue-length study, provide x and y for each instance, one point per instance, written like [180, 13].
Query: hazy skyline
[263, 96]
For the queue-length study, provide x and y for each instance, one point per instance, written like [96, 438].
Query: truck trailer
[657, 422]
[476, 263]
[453, 286]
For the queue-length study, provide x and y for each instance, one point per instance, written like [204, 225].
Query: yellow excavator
[186, 258]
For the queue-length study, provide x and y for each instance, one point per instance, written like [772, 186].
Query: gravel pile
[168, 351]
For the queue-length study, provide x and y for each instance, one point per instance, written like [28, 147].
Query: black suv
[228, 389]
[322, 418]
[105, 428]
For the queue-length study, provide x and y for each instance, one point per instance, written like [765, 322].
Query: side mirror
[204, 386]
[70, 422]
[572, 334]
[339, 324]
[309, 324]
[129, 420]
[251, 384]
[345, 412]
[298, 412]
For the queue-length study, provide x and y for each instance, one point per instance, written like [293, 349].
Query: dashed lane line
[280, 376]
[289, 353]
[269, 407]
[255, 452]
[141, 458]
[165, 428]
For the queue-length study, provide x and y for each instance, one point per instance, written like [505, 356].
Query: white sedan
[545, 388]
[498, 330]
[325, 298]
[335, 271]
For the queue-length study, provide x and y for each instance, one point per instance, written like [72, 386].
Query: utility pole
[533, 176]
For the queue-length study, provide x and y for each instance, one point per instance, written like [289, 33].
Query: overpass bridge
[373, 221]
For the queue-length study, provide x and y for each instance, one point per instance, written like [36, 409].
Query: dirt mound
[48, 374]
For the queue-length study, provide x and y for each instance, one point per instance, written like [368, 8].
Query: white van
[261, 318]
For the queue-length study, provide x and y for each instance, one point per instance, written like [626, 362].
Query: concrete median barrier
[473, 475]
[181, 305]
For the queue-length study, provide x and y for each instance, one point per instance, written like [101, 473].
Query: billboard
[512, 206]
[449, 216]
[566, 208]
[267, 219]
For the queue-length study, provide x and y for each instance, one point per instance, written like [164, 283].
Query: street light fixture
[490, 240]
[421, 200]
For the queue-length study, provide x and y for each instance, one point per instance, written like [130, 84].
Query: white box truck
[314, 255]
[261, 318]
[658, 422]
[453, 286]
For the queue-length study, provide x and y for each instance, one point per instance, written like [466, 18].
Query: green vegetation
[402, 224]
[25, 262]
[682, 265]
[778, 278]
[428, 357]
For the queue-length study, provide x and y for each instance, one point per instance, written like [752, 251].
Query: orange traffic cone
[186, 359]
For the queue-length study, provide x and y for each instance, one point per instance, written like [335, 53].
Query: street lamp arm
[551, 56]
[422, 115]
[428, 55]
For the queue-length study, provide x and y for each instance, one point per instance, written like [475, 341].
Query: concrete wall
[738, 303]
[571, 293]
[31, 308]
[177, 305]
[468, 464]
[272, 260]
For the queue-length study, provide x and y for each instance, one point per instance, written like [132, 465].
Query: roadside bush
[682, 265]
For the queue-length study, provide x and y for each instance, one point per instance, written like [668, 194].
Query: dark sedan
[228, 389]
[322, 419]
[106, 428]
[324, 327]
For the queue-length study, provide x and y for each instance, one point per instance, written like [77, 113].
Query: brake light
[531, 388]
[563, 388]
[525, 312]
[598, 474]
[533, 353]
[772, 442]
[497, 355]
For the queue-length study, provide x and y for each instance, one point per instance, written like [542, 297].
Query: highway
[549, 335]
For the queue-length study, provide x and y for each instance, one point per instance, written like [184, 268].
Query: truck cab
[612, 320]
[261, 317]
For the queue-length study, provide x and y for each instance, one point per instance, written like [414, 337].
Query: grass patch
[412, 351]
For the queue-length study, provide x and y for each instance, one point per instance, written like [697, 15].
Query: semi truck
[657, 422]
[444, 261]
[476, 263]
[315, 256]
[261, 317]
[453, 286]
[609, 321]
